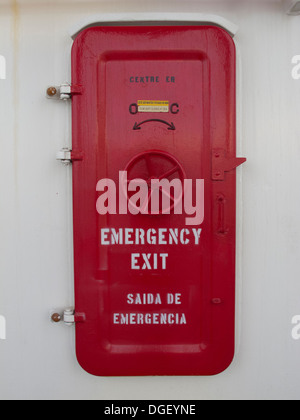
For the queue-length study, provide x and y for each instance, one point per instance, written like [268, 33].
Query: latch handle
[64, 91]
[69, 317]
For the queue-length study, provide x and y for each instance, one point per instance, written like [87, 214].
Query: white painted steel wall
[37, 358]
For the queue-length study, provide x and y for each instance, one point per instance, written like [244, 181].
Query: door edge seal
[129, 19]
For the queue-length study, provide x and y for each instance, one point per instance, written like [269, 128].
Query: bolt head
[56, 318]
[51, 91]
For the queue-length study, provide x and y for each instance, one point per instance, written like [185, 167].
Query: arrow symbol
[171, 126]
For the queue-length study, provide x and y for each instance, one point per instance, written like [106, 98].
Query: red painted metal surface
[147, 308]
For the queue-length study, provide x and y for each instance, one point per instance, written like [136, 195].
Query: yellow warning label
[153, 106]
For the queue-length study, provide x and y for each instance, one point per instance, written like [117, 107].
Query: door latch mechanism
[63, 92]
[222, 164]
[69, 317]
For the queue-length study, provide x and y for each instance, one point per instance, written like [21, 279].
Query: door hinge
[72, 317]
[221, 164]
[63, 92]
[69, 317]
[68, 156]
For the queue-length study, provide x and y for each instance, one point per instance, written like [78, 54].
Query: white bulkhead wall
[37, 357]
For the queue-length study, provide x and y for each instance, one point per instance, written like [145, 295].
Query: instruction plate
[153, 106]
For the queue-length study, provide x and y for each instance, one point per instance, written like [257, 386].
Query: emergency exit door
[154, 186]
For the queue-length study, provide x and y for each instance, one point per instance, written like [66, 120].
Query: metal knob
[51, 91]
[56, 318]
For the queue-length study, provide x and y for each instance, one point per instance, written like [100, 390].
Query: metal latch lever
[63, 92]
[69, 317]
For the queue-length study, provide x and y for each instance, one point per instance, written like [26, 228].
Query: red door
[154, 188]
